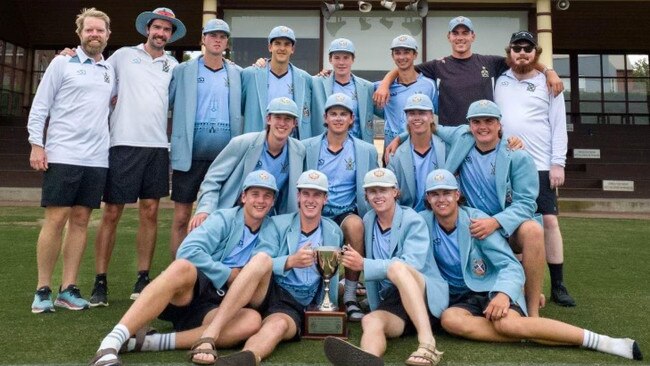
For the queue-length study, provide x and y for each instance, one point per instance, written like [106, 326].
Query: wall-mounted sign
[618, 185]
[586, 153]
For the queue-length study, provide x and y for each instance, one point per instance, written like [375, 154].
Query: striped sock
[623, 347]
[159, 342]
[114, 340]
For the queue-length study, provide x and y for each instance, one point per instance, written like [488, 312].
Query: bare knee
[111, 214]
[372, 323]
[181, 273]
[551, 222]
[397, 270]
[509, 327]
[149, 209]
[260, 263]
[454, 322]
[352, 228]
[182, 215]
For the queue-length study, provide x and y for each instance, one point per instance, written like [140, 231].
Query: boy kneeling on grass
[486, 301]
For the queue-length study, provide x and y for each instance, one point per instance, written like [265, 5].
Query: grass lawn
[607, 271]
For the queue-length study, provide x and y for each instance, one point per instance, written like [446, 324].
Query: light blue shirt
[447, 254]
[212, 125]
[241, 254]
[381, 250]
[341, 171]
[280, 85]
[478, 181]
[303, 283]
[350, 89]
[278, 166]
[422, 165]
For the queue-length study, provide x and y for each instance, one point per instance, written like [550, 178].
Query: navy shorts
[185, 185]
[477, 302]
[547, 199]
[390, 301]
[68, 185]
[279, 300]
[136, 172]
[204, 298]
[339, 218]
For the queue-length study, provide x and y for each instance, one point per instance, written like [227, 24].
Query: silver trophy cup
[327, 258]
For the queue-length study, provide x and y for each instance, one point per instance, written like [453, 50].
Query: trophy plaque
[325, 320]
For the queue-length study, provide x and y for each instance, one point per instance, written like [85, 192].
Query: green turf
[607, 271]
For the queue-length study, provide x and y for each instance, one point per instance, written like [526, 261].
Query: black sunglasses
[527, 49]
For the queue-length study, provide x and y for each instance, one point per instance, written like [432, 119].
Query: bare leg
[74, 244]
[182, 214]
[531, 236]
[352, 227]
[462, 323]
[147, 231]
[106, 236]
[553, 240]
[49, 243]
[378, 325]
[244, 324]
[276, 327]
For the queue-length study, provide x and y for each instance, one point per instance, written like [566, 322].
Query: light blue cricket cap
[216, 25]
[282, 105]
[404, 41]
[282, 31]
[313, 179]
[339, 100]
[441, 179]
[380, 177]
[341, 45]
[262, 179]
[483, 108]
[461, 20]
[418, 102]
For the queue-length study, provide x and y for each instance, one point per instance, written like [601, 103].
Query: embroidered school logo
[81, 72]
[313, 176]
[402, 38]
[378, 173]
[438, 177]
[343, 43]
[107, 78]
[285, 166]
[468, 159]
[259, 164]
[485, 73]
[483, 102]
[354, 95]
[417, 99]
[284, 30]
[340, 98]
[505, 83]
[321, 162]
[305, 111]
[290, 87]
[285, 100]
[200, 80]
[349, 164]
[508, 196]
[436, 241]
[165, 67]
[478, 267]
[369, 124]
[263, 176]
[227, 80]
[531, 87]
[494, 168]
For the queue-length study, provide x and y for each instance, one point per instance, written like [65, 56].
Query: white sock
[350, 291]
[616, 346]
[114, 340]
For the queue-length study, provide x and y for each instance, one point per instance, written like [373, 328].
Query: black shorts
[73, 185]
[339, 219]
[279, 300]
[204, 298]
[185, 185]
[136, 172]
[546, 200]
[477, 302]
[390, 301]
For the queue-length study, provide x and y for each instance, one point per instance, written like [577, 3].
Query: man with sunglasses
[539, 119]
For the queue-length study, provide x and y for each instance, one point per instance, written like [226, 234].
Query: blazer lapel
[261, 83]
[362, 101]
[396, 229]
[234, 238]
[501, 172]
[254, 153]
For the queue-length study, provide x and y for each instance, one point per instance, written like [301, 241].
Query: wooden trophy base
[321, 324]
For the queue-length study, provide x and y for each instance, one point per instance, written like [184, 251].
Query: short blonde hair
[91, 13]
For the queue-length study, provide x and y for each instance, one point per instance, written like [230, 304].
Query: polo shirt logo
[485, 73]
[107, 78]
[136, 60]
[531, 87]
[81, 72]
[200, 79]
[478, 267]
[349, 164]
[165, 67]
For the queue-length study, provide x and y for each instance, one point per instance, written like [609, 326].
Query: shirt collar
[83, 57]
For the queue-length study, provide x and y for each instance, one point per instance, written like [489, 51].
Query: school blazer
[211, 243]
[322, 88]
[401, 163]
[489, 264]
[286, 238]
[221, 187]
[255, 95]
[183, 98]
[365, 157]
[517, 181]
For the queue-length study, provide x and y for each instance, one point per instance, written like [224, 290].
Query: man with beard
[138, 157]
[539, 119]
[75, 94]
[206, 96]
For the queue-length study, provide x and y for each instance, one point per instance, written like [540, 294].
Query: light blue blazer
[365, 157]
[322, 88]
[221, 187]
[183, 97]
[489, 264]
[255, 95]
[402, 165]
[517, 181]
[286, 238]
[209, 244]
[409, 243]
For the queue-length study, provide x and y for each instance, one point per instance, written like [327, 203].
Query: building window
[613, 89]
[13, 68]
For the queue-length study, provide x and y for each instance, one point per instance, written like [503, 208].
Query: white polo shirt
[534, 115]
[140, 115]
[75, 93]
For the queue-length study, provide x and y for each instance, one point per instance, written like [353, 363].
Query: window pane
[36, 79]
[640, 120]
[613, 65]
[588, 107]
[637, 89]
[42, 58]
[2, 49]
[21, 58]
[567, 106]
[614, 89]
[6, 78]
[590, 89]
[561, 65]
[638, 108]
[15, 104]
[614, 107]
[191, 55]
[19, 80]
[567, 88]
[589, 65]
[9, 54]
[638, 64]
[588, 120]
[4, 103]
